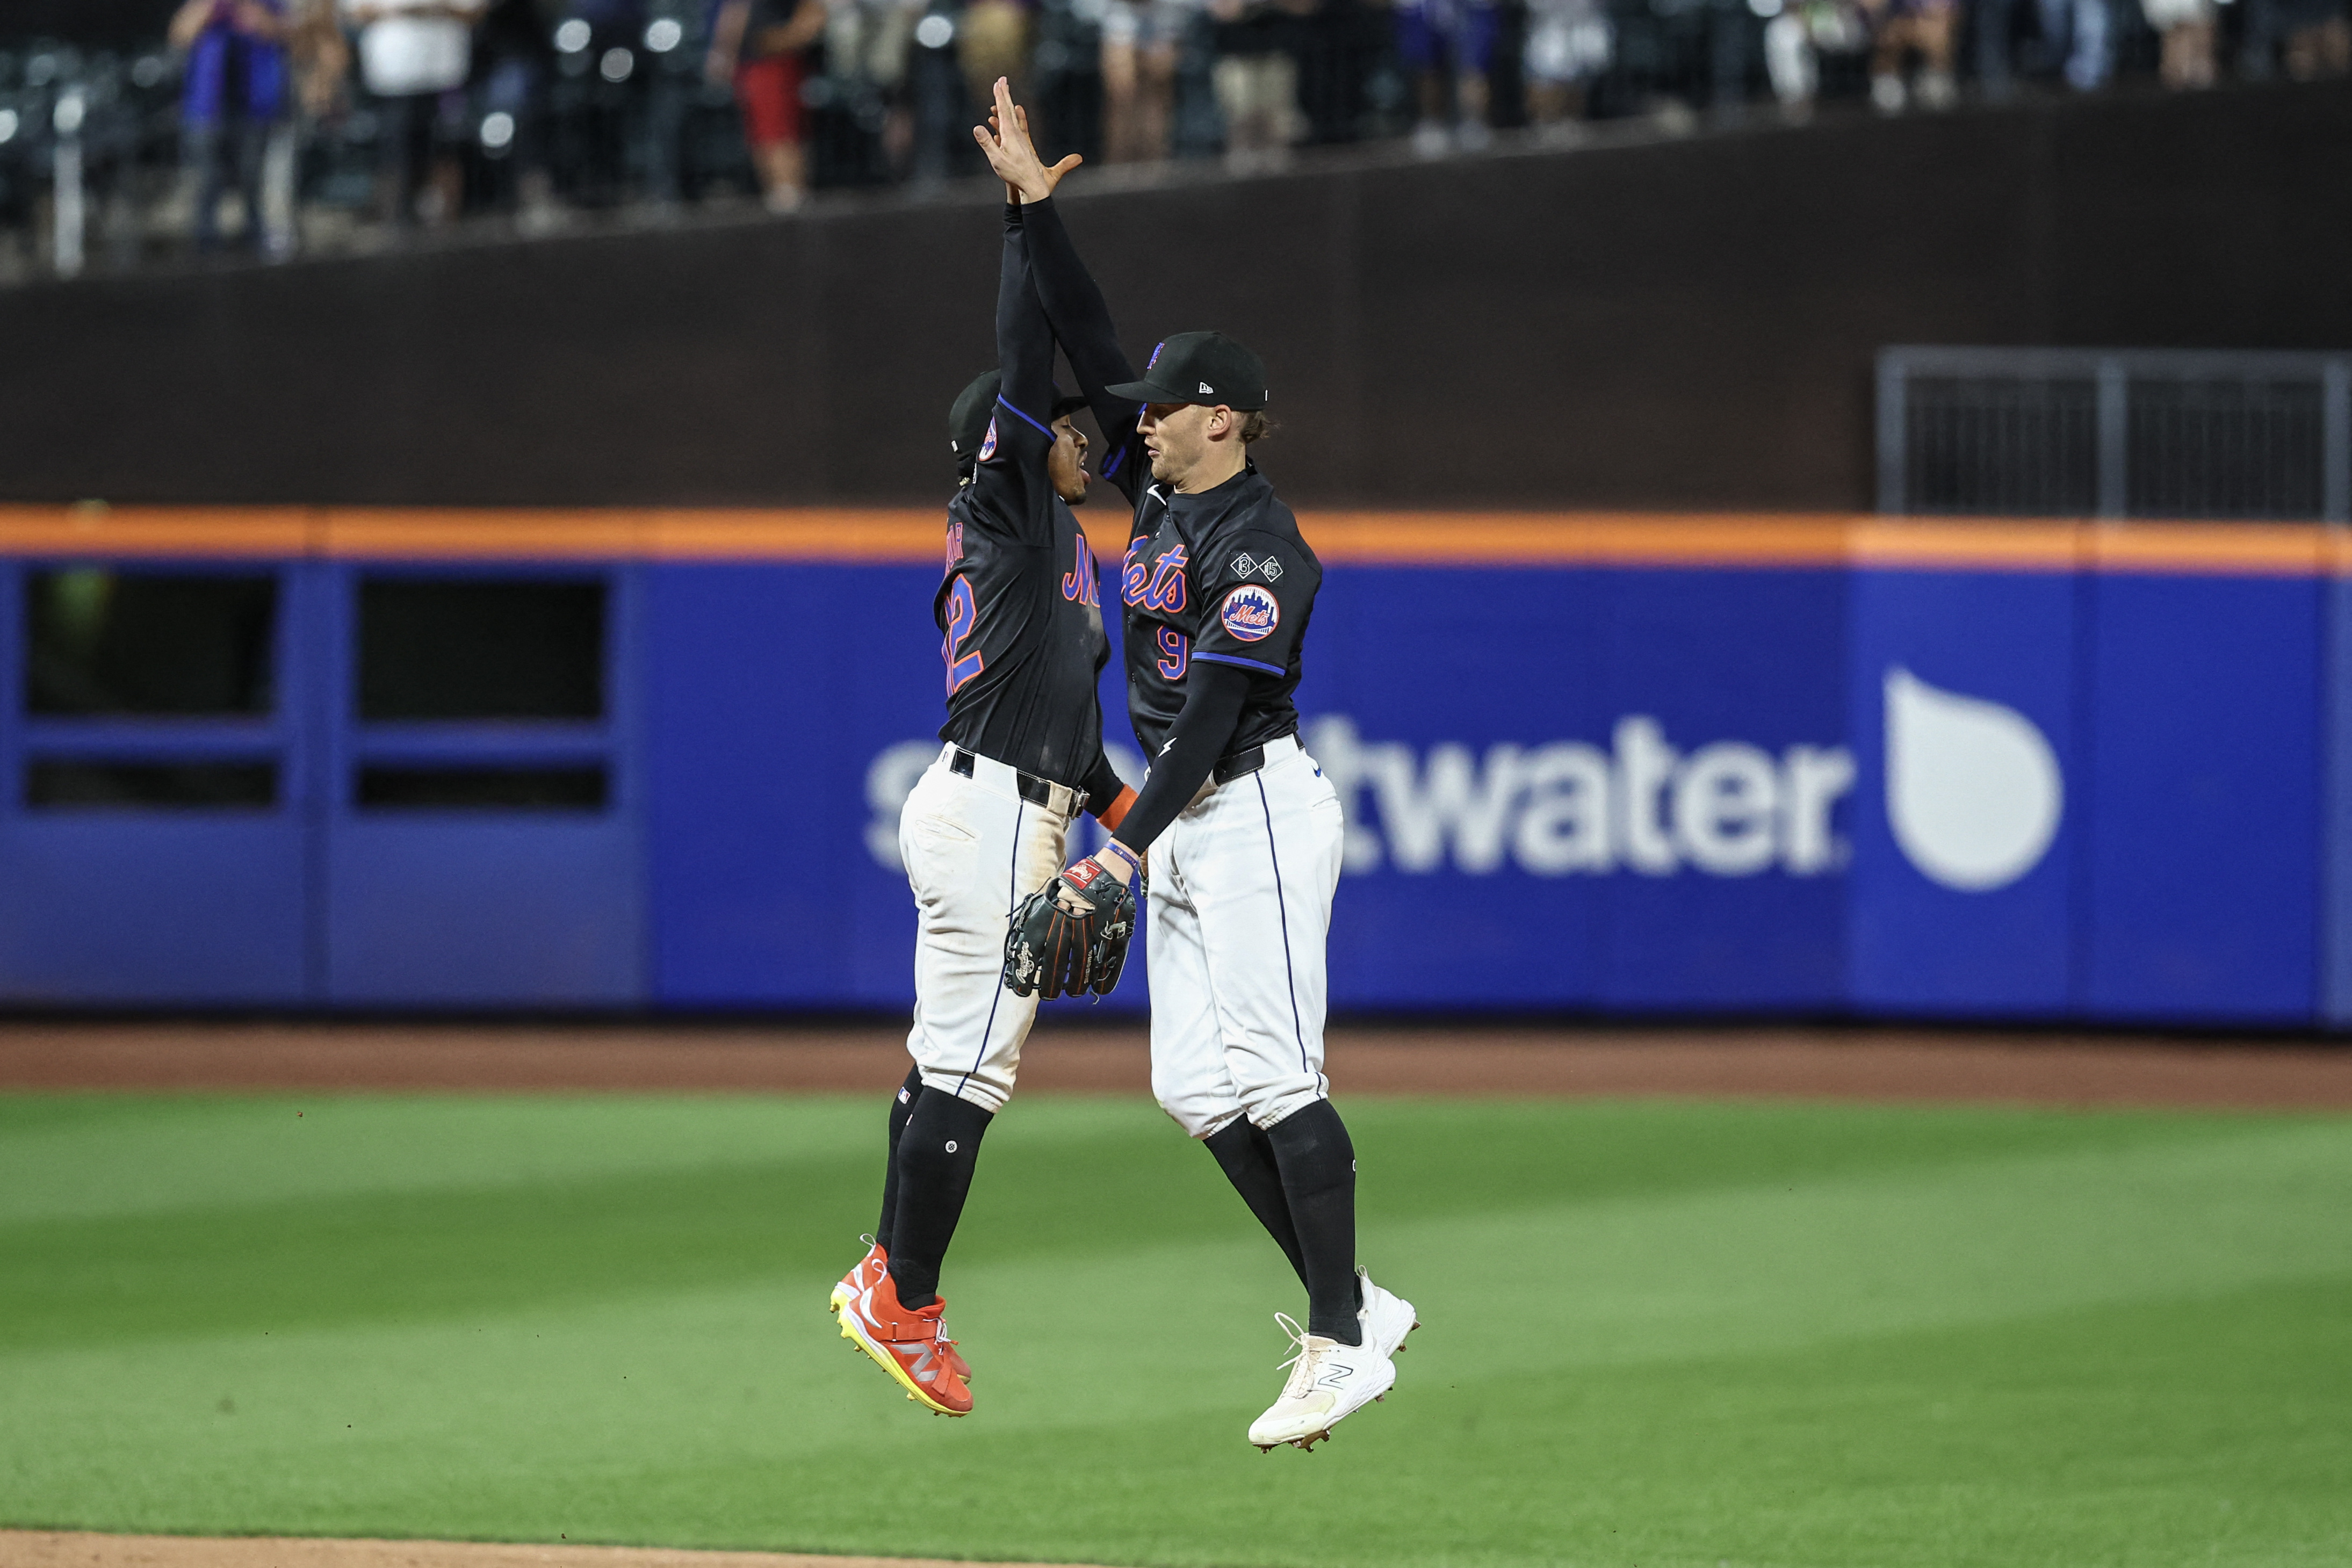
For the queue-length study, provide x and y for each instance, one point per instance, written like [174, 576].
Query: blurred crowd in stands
[271, 126]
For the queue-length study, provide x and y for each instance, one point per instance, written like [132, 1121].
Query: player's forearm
[1075, 307]
[1024, 343]
[1214, 694]
[1108, 796]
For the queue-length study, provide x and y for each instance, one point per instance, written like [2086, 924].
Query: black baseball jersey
[1020, 609]
[1223, 578]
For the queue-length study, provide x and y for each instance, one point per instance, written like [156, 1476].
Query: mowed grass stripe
[357, 1210]
[82, 1156]
[1657, 1334]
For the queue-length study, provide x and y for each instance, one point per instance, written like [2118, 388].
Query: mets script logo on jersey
[1079, 584]
[987, 443]
[1157, 586]
[1250, 613]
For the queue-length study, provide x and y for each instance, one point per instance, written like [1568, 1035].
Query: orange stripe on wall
[1959, 545]
[236, 531]
[1754, 540]
[2231, 550]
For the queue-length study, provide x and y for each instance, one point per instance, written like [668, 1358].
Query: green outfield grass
[1662, 1334]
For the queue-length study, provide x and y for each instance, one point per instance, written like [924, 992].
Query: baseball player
[1217, 588]
[1019, 618]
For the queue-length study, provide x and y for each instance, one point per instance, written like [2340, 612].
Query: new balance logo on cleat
[1328, 1382]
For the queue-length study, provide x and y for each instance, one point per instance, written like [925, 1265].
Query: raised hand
[1004, 141]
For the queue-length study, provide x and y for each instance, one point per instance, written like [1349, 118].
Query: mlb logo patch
[1250, 613]
[987, 443]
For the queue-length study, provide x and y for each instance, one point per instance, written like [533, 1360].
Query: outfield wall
[1632, 764]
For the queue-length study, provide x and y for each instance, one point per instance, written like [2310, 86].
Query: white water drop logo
[1973, 789]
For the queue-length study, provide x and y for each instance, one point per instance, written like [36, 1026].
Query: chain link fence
[2114, 434]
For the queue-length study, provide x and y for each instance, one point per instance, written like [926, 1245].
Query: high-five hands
[1004, 141]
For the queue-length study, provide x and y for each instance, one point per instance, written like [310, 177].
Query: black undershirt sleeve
[1082, 324]
[1204, 728]
[1024, 341]
[1102, 784]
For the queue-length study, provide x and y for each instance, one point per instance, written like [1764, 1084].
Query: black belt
[1035, 790]
[1239, 765]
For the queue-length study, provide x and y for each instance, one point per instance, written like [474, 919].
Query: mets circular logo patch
[1250, 613]
[987, 443]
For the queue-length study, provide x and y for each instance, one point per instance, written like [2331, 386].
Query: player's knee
[1198, 1111]
[1268, 1103]
[972, 1089]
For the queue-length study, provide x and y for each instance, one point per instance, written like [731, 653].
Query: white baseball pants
[974, 850]
[1241, 902]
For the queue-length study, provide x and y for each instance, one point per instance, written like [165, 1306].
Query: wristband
[1134, 861]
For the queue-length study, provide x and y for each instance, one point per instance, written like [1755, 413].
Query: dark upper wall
[1678, 324]
[95, 24]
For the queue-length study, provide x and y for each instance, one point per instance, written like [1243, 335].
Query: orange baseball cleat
[907, 1345]
[868, 1271]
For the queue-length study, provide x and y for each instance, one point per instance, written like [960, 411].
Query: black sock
[902, 1105]
[1247, 1158]
[937, 1151]
[1319, 1178]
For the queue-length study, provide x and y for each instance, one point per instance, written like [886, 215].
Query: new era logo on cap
[1207, 388]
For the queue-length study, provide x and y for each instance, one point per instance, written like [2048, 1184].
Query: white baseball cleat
[1387, 1318]
[1328, 1382]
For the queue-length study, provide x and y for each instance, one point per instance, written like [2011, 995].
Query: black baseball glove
[1070, 936]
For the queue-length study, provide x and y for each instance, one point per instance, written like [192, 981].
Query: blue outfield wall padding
[1606, 788]
[196, 908]
[443, 910]
[2336, 927]
[1726, 890]
[1566, 788]
[763, 836]
[199, 907]
[1970, 809]
[1427, 697]
[468, 907]
[791, 709]
[2036, 792]
[2206, 760]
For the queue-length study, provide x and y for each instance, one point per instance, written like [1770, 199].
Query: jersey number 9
[1175, 652]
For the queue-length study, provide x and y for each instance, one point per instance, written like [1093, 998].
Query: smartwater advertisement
[1676, 790]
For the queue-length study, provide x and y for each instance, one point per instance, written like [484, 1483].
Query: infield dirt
[1813, 1063]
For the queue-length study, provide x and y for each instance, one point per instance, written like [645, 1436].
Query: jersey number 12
[962, 615]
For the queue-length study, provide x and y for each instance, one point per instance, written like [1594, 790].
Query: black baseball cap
[1200, 367]
[974, 406]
